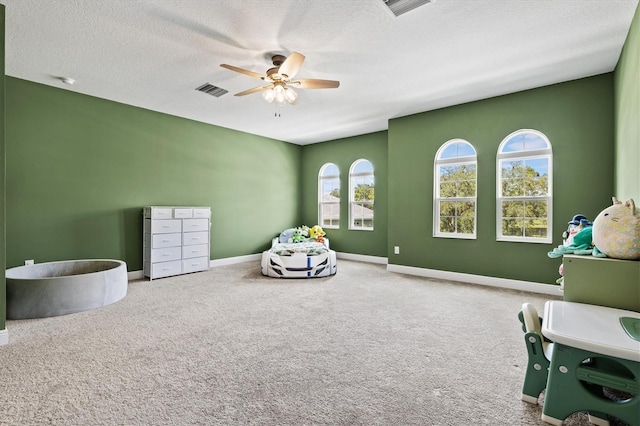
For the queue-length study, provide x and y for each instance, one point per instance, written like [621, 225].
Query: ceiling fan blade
[254, 90]
[243, 71]
[312, 83]
[291, 65]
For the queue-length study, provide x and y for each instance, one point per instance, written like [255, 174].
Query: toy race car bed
[305, 259]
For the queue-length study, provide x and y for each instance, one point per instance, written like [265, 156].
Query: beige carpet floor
[231, 347]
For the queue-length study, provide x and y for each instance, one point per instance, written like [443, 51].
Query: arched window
[524, 188]
[361, 194]
[455, 190]
[329, 196]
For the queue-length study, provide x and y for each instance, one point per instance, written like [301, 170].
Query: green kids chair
[539, 351]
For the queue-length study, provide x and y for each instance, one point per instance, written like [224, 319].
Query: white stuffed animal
[616, 231]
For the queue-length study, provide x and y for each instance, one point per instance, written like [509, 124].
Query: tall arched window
[455, 190]
[361, 195]
[524, 188]
[329, 196]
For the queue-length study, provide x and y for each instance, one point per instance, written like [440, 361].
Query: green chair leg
[535, 379]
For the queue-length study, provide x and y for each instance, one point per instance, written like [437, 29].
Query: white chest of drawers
[176, 240]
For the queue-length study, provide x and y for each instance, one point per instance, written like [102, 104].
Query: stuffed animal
[582, 243]
[300, 234]
[576, 224]
[616, 230]
[297, 236]
[316, 231]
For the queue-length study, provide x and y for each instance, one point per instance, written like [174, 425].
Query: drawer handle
[166, 254]
[166, 269]
[194, 264]
[166, 241]
[194, 251]
[166, 226]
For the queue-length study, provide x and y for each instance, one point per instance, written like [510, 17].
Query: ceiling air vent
[398, 7]
[212, 90]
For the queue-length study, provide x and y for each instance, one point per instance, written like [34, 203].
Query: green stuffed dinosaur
[300, 234]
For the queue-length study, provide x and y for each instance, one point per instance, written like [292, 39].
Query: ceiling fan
[280, 79]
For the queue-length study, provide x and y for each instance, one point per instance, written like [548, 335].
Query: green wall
[80, 169]
[627, 116]
[576, 116]
[3, 256]
[343, 152]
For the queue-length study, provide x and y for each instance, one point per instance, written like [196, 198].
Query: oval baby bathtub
[59, 288]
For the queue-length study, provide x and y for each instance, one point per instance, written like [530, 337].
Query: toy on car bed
[301, 252]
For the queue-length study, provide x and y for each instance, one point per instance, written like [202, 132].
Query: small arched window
[329, 196]
[455, 190]
[524, 188]
[361, 195]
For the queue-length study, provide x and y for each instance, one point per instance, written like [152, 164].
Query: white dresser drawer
[164, 240]
[195, 251]
[195, 264]
[164, 254]
[193, 225]
[165, 269]
[159, 226]
[158, 212]
[200, 212]
[181, 213]
[191, 238]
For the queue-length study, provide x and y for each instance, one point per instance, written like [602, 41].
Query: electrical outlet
[29, 262]
[396, 250]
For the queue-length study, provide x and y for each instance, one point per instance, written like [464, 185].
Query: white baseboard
[233, 260]
[409, 270]
[135, 275]
[362, 258]
[4, 337]
[478, 279]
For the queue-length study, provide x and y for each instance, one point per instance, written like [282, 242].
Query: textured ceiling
[154, 53]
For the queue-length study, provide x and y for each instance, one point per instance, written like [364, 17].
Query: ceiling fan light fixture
[280, 77]
[279, 94]
[290, 95]
[269, 95]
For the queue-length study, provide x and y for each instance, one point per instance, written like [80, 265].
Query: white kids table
[595, 351]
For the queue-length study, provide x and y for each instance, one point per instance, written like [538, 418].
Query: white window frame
[322, 178]
[354, 204]
[523, 155]
[454, 161]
